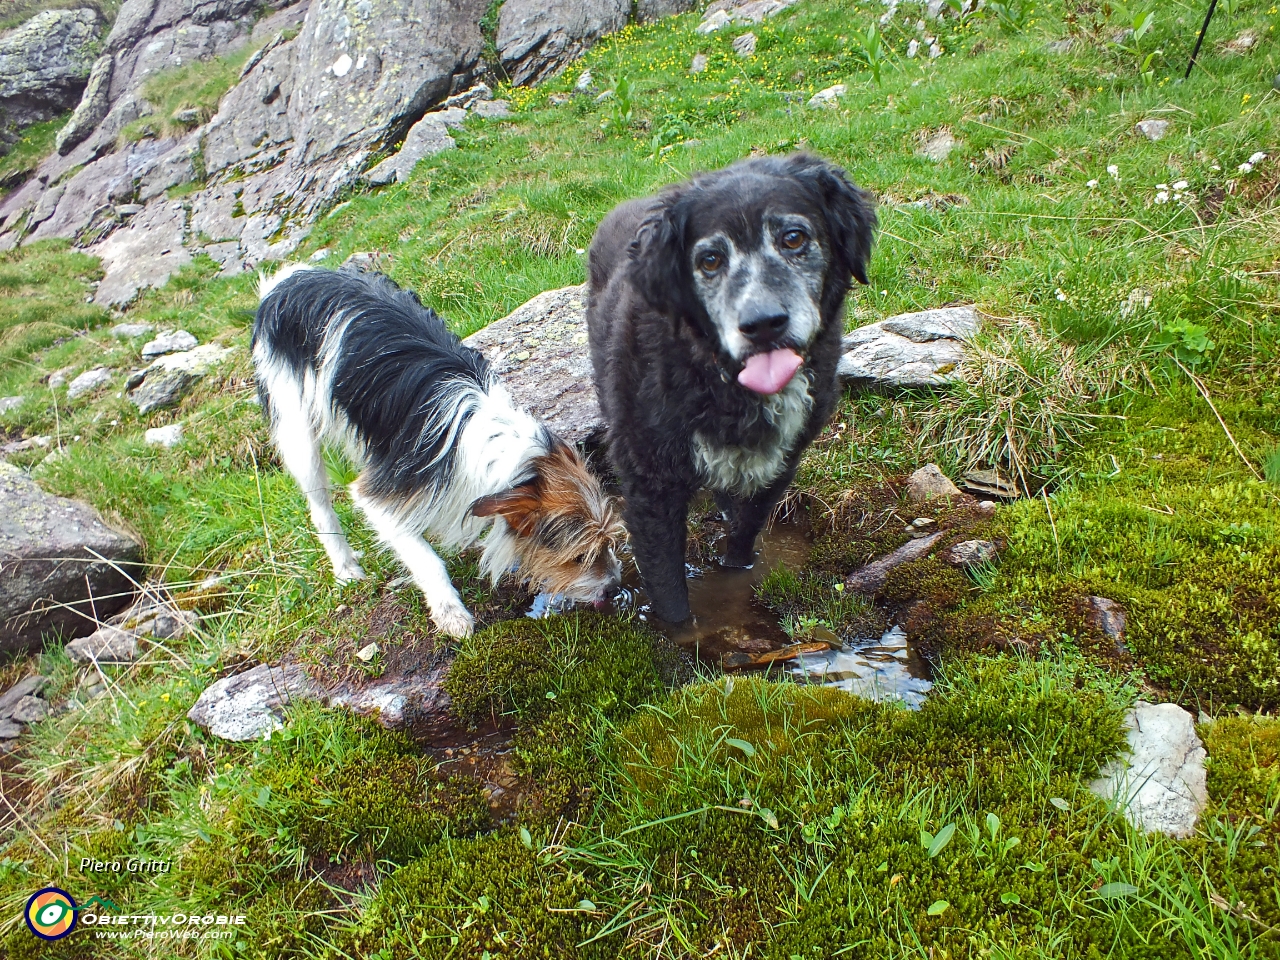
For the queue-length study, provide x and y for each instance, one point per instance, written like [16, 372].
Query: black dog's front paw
[673, 610]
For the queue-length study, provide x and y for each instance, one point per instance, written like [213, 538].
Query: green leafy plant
[1014, 15]
[872, 50]
[1186, 342]
[621, 112]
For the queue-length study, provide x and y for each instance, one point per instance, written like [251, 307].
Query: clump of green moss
[1244, 768]
[809, 598]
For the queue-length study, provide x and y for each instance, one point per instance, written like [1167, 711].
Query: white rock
[88, 381]
[498, 109]
[367, 652]
[247, 706]
[319, 255]
[1152, 129]
[699, 63]
[913, 48]
[827, 97]
[59, 377]
[342, 66]
[584, 82]
[938, 146]
[1160, 786]
[911, 350]
[713, 22]
[107, 644]
[10, 403]
[169, 436]
[173, 341]
[745, 45]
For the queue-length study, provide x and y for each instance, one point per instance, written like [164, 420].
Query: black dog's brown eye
[710, 262]
[794, 239]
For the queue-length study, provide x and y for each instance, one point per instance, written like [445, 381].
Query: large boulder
[922, 349]
[43, 67]
[536, 38]
[61, 567]
[540, 353]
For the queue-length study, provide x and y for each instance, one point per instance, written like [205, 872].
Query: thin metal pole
[1213, 5]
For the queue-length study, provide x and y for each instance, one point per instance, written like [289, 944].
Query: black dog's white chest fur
[744, 470]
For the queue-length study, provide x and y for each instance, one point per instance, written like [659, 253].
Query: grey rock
[59, 377]
[169, 436]
[172, 341]
[494, 109]
[722, 12]
[699, 63]
[871, 577]
[426, 138]
[170, 378]
[10, 403]
[30, 710]
[930, 482]
[1060, 46]
[127, 331]
[143, 254]
[88, 381]
[1160, 785]
[1152, 129]
[94, 103]
[990, 483]
[89, 194]
[44, 64]
[248, 706]
[938, 146]
[9, 730]
[60, 564]
[469, 97]
[289, 18]
[188, 116]
[713, 21]
[745, 45]
[536, 38]
[107, 644]
[649, 10]
[540, 353]
[921, 526]
[970, 553]
[911, 350]
[829, 97]
[26, 687]
[128, 209]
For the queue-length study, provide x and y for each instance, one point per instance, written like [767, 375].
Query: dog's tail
[268, 283]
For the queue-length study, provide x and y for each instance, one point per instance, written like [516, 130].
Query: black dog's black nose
[764, 325]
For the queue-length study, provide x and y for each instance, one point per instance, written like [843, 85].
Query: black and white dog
[715, 313]
[352, 359]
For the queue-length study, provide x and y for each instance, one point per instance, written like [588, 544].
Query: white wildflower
[1181, 185]
[1162, 196]
[1091, 184]
[1258, 157]
[1062, 297]
[1114, 171]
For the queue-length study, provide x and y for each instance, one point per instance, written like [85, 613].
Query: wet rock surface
[540, 353]
[60, 564]
[911, 350]
[1160, 786]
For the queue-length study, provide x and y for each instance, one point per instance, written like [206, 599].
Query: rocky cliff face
[311, 109]
[44, 64]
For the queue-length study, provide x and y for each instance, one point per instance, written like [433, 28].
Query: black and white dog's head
[758, 255]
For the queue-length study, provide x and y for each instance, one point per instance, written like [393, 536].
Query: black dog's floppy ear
[657, 252]
[851, 214]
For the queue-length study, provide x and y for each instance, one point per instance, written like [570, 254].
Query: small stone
[827, 97]
[929, 482]
[319, 255]
[1108, 617]
[169, 436]
[1242, 44]
[970, 553]
[495, 109]
[341, 610]
[1060, 46]
[10, 403]
[987, 506]
[367, 652]
[745, 45]
[30, 710]
[93, 691]
[171, 377]
[188, 117]
[129, 209]
[913, 47]
[126, 331]
[88, 381]
[699, 63]
[170, 624]
[107, 644]
[1161, 784]
[247, 706]
[938, 146]
[9, 730]
[921, 527]
[1152, 129]
[59, 377]
[175, 341]
[26, 687]
[584, 82]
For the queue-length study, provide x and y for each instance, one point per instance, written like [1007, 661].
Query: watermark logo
[51, 913]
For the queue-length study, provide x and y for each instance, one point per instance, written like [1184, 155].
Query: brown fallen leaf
[791, 652]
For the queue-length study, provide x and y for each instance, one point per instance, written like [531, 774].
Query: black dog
[715, 317]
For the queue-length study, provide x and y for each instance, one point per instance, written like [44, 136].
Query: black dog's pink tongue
[770, 372]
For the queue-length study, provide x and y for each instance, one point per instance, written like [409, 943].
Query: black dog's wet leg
[747, 517]
[659, 529]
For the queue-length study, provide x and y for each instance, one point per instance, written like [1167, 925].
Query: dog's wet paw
[454, 621]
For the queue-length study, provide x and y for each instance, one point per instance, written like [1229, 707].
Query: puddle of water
[881, 669]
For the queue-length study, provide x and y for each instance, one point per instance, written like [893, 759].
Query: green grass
[16, 12]
[198, 85]
[34, 145]
[753, 818]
